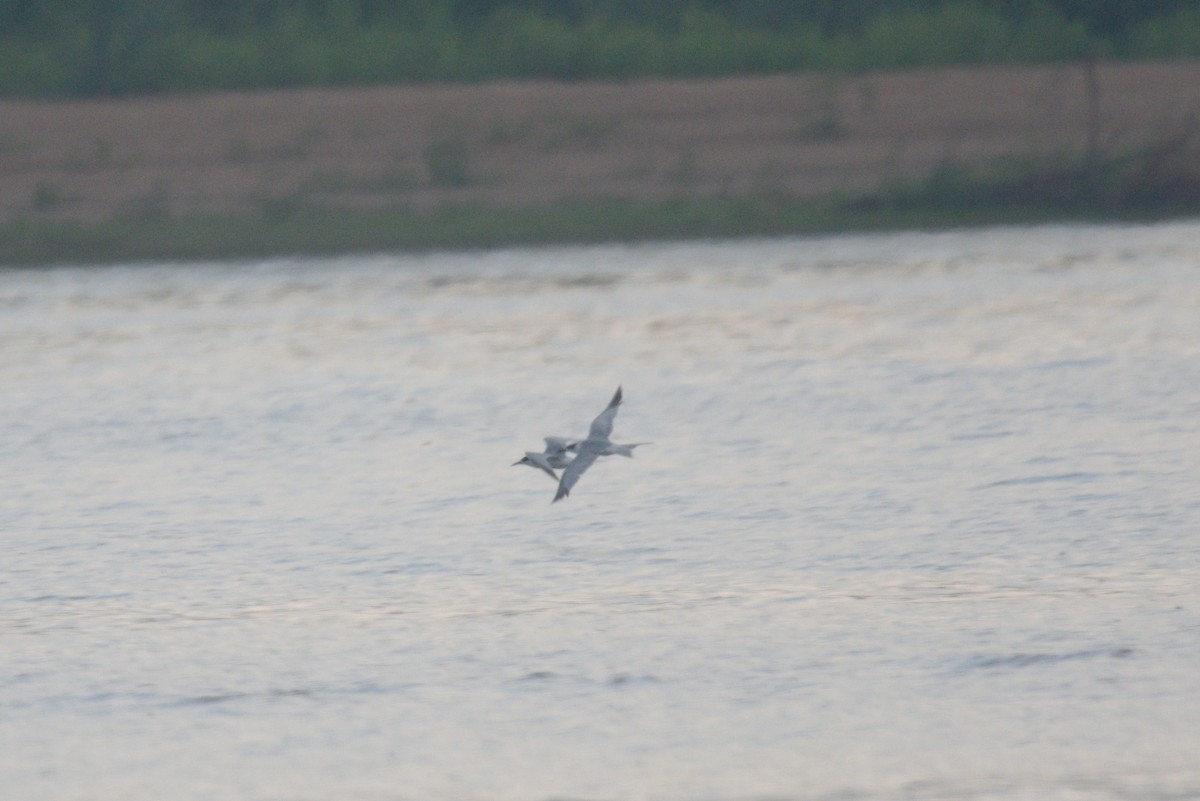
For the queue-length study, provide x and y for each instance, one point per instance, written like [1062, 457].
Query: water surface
[919, 521]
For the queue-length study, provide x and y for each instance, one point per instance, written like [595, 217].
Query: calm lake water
[920, 520]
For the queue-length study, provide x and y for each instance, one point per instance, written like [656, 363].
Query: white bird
[596, 445]
[551, 459]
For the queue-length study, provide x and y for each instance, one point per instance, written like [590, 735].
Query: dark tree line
[87, 47]
[46, 17]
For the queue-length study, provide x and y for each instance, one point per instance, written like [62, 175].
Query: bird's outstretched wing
[574, 470]
[603, 424]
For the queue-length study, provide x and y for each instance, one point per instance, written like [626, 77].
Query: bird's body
[612, 449]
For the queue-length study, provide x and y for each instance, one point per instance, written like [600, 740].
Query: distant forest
[111, 47]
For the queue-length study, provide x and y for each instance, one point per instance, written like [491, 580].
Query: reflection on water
[919, 521]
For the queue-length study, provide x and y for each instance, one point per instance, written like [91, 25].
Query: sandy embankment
[532, 143]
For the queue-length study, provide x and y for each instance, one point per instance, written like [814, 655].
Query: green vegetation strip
[87, 48]
[466, 227]
[1152, 182]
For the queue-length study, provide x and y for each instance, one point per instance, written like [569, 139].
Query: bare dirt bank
[533, 144]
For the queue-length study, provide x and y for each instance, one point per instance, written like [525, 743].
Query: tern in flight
[551, 459]
[596, 445]
[574, 456]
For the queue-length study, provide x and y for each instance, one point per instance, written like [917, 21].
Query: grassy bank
[955, 196]
[468, 226]
[411, 168]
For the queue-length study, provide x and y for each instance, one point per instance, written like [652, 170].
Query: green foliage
[1173, 36]
[1156, 179]
[46, 196]
[284, 225]
[447, 159]
[103, 47]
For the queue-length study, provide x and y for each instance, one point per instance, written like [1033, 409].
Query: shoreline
[25, 245]
[327, 171]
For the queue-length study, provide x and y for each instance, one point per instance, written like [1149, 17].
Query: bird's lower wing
[573, 471]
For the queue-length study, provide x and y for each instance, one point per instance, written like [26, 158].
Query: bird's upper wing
[574, 470]
[603, 424]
